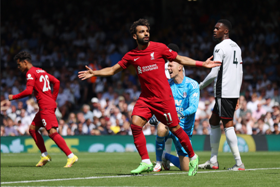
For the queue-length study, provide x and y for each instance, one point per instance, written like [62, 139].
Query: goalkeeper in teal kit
[186, 95]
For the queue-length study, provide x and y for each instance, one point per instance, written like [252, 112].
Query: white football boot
[157, 167]
[209, 165]
[237, 168]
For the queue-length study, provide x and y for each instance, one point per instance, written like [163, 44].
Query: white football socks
[193, 158]
[232, 142]
[215, 137]
[147, 161]
[45, 154]
[70, 155]
[168, 145]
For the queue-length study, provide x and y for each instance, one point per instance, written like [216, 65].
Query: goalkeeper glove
[180, 115]
[153, 120]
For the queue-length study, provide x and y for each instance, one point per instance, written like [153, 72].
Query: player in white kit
[228, 79]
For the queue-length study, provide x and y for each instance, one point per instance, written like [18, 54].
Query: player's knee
[51, 131]
[162, 130]
[173, 129]
[228, 123]
[32, 127]
[136, 120]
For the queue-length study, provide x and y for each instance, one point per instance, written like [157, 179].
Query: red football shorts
[165, 111]
[45, 118]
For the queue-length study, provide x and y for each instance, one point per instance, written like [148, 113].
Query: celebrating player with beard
[156, 97]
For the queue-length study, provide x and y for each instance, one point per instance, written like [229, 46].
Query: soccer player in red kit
[156, 96]
[39, 81]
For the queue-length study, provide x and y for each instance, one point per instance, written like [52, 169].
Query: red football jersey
[149, 64]
[40, 80]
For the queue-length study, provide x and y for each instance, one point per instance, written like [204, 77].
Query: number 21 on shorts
[167, 117]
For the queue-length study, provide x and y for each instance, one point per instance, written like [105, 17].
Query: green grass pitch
[113, 169]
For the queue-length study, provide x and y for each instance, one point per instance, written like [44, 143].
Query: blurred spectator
[72, 118]
[243, 109]
[116, 115]
[12, 114]
[259, 112]
[252, 105]
[262, 127]
[75, 87]
[96, 108]
[87, 113]
[9, 129]
[88, 126]
[25, 121]
[79, 130]
[276, 95]
[276, 129]
[109, 94]
[103, 126]
[269, 120]
[62, 99]
[2, 131]
[81, 118]
[276, 110]
[63, 127]
[70, 132]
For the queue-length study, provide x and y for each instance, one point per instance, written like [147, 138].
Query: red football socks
[185, 141]
[60, 142]
[140, 141]
[38, 140]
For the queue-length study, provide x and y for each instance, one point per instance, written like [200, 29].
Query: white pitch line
[123, 176]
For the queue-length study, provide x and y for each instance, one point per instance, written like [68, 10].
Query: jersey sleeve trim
[122, 65]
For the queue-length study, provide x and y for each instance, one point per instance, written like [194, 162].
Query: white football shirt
[228, 76]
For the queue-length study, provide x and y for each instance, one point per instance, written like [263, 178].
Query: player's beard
[141, 41]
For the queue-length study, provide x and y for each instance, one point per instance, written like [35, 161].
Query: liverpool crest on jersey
[152, 55]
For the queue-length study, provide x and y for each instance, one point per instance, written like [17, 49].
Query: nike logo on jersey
[136, 59]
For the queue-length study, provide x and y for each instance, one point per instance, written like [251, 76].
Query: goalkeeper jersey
[186, 96]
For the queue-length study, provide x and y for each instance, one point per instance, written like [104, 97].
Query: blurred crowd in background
[63, 36]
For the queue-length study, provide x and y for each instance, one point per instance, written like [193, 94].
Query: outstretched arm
[210, 77]
[105, 72]
[28, 91]
[186, 61]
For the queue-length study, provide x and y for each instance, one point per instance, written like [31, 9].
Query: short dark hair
[142, 22]
[23, 55]
[226, 23]
[174, 47]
